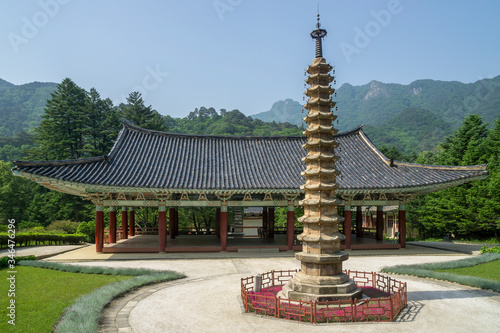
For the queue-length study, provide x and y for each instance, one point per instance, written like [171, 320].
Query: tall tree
[141, 115]
[103, 124]
[62, 130]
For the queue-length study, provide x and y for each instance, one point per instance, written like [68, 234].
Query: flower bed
[388, 298]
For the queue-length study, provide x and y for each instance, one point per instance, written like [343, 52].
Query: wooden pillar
[379, 226]
[270, 222]
[359, 222]
[131, 219]
[265, 227]
[162, 227]
[217, 222]
[171, 222]
[99, 228]
[223, 228]
[290, 227]
[402, 226]
[112, 224]
[347, 227]
[124, 223]
[176, 222]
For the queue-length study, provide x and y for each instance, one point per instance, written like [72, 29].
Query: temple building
[322, 171]
[169, 171]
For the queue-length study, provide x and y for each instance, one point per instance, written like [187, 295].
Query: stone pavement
[43, 251]
[208, 300]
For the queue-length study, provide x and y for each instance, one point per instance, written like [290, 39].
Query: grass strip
[429, 271]
[489, 270]
[84, 314]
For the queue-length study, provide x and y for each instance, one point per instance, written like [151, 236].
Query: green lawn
[489, 270]
[43, 294]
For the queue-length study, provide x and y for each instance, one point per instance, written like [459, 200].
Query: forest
[77, 123]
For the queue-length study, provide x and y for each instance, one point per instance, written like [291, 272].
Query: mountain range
[413, 117]
[395, 114]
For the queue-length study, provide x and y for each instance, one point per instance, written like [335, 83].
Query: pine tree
[103, 125]
[140, 114]
[62, 130]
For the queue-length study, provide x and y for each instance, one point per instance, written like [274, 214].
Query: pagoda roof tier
[154, 160]
[319, 77]
[323, 66]
[314, 90]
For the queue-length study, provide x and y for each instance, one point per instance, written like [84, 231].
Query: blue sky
[242, 54]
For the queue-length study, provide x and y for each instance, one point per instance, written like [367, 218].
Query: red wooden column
[112, 224]
[359, 222]
[290, 227]
[131, 218]
[265, 227]
[270, 223]
[124, 223]
[99, 228]
[176, 221]
[347, 227]
[162, 227]
[402, 226]
[217, 222]
[171, 222]
[223, 228]
[379, 226]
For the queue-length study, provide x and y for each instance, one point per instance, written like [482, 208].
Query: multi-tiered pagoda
[321, 276]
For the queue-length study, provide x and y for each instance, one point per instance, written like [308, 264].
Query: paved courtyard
[208, 299]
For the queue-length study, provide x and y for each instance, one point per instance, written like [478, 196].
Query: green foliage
[66, 227]
[141, 115]
[88, 229]
[32, 238]
[410, 131]
[21, 107]
[207, 121]
[4, 261]
[495, 249]
[469, 210]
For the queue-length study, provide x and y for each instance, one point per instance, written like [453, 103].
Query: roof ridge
[482, 167]
[218, 136]
[60, 162]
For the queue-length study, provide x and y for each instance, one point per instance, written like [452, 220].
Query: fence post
[353, 310]
[392, 307]
[257, 286]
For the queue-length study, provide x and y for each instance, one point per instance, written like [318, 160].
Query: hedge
[31, 238]
[4, 261]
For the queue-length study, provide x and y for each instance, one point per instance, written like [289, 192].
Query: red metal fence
[384, 308]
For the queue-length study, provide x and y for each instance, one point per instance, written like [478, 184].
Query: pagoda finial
[318, 34]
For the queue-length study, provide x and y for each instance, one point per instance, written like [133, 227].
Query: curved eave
[415, 190]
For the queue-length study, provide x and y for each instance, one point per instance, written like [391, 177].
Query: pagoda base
[302, 287]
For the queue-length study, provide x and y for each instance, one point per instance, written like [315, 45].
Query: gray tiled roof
[144, 158]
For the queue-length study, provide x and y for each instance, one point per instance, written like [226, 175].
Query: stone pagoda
[321, 277]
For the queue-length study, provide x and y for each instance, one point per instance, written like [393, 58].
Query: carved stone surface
[321, 276]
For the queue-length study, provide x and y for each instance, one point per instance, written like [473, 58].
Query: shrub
[88, 229]
[4, 261]
[495, 249]
[64, 227]
[31, 238]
